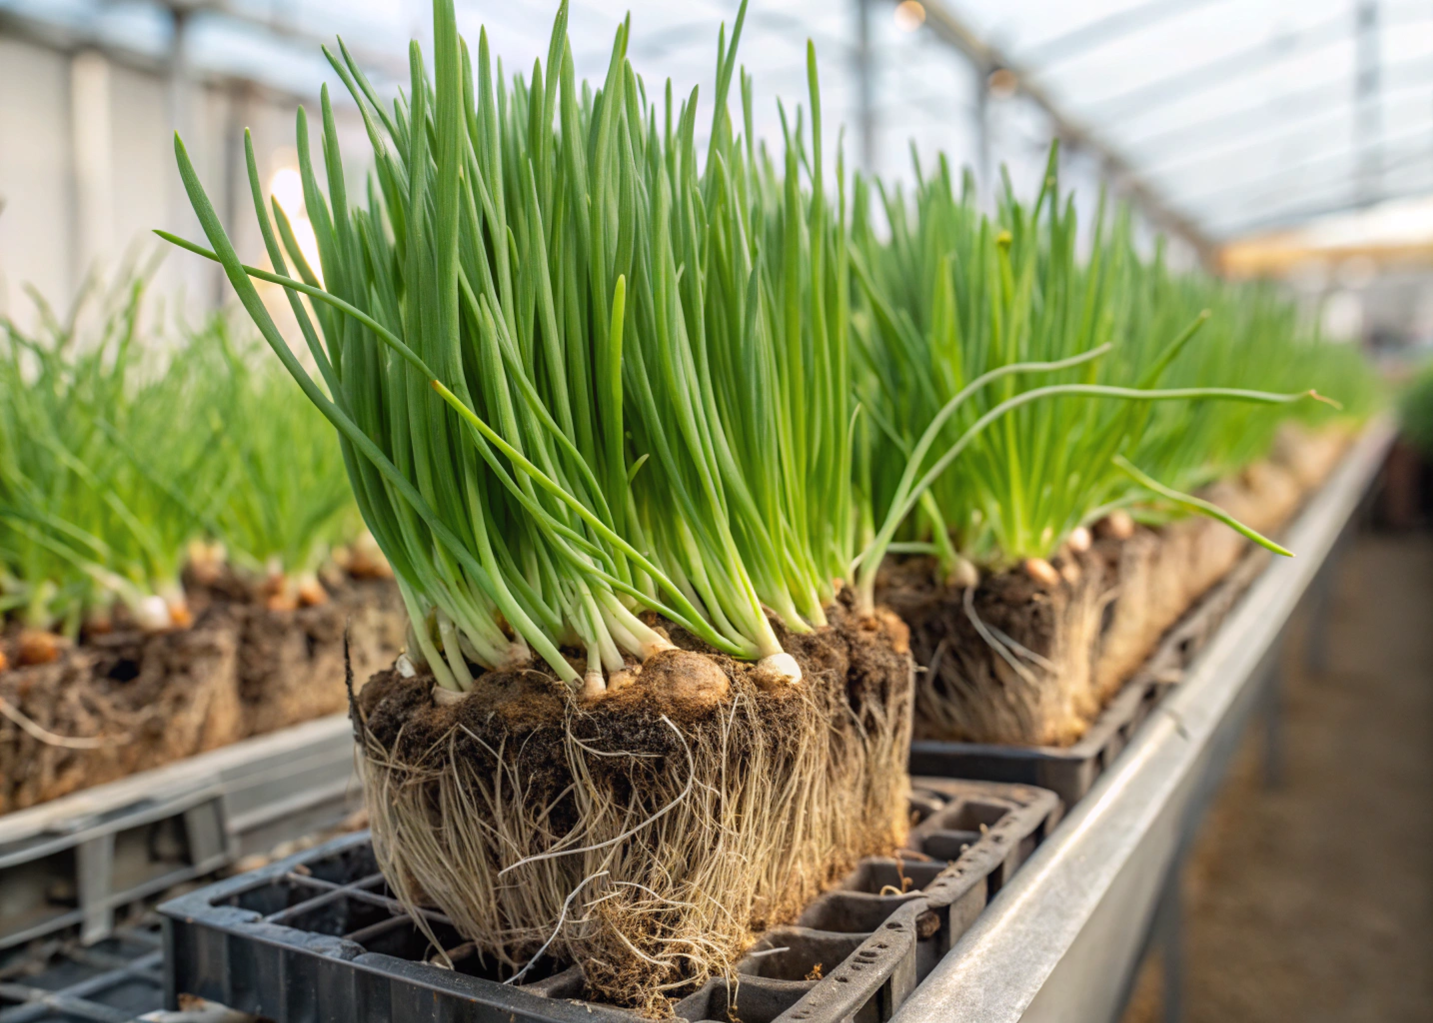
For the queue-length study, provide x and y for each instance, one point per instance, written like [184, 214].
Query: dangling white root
[782, 664]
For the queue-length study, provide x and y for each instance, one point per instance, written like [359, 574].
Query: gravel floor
[1314, 901]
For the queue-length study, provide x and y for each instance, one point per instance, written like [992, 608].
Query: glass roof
[1243, 114]
[1239, 116]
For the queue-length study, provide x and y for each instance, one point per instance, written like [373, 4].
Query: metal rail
[1062, 941]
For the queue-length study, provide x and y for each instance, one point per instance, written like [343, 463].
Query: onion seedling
[578, 368]
[95, 476]
[125, 450]
[987, 340]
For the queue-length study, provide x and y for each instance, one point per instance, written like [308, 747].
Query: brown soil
[142, 700]
[291, 662]
[696, 807]
[149, 699]
[1043, 694]
[1023, 663]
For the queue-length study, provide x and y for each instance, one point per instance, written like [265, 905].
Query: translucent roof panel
[1242, 115]
[1239, 116]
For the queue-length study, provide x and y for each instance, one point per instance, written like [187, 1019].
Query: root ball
[648, 834]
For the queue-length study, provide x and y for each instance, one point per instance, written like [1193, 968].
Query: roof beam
[1309, 119]
[1419, 141]
[395, 67]
[951, 29]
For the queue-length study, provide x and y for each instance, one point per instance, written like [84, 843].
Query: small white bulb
[782, 664]
[444, 697]
[152, 614]
[593, 686]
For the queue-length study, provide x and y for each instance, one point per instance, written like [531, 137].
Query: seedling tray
[1070, 771]
[114, 981]
[319, 937]
[71, 863]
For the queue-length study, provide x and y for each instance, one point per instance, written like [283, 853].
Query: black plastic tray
[113, 981]
[74, 863]
[1070, 771]
[318, 937]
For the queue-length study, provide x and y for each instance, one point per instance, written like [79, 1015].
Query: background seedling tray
[70, 864]
[114, 981]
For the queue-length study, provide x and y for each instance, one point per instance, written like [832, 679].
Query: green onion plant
[1415, 408]
[123, 443]
[92, 463]
[964, 317]
[579, 368]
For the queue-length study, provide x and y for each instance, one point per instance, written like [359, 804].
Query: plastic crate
[73, 862]
[318, 937]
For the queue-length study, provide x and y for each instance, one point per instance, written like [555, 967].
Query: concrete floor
[1313, 901]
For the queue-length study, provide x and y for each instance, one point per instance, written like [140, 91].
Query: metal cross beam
[1295, 125]
[1226, 66]
[1111, 27]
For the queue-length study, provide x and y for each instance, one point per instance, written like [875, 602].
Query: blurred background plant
[129, 445]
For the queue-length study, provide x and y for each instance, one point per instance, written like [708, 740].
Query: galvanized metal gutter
[1062, 940]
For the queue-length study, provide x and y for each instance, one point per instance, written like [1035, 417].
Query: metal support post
[1368, 125]
[865, 87]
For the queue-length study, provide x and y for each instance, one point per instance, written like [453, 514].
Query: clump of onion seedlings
[130, 449]
[986, 345]
[1019, 397]
[91, 463]
[541, 448]
[593, 393]
[284, 502]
